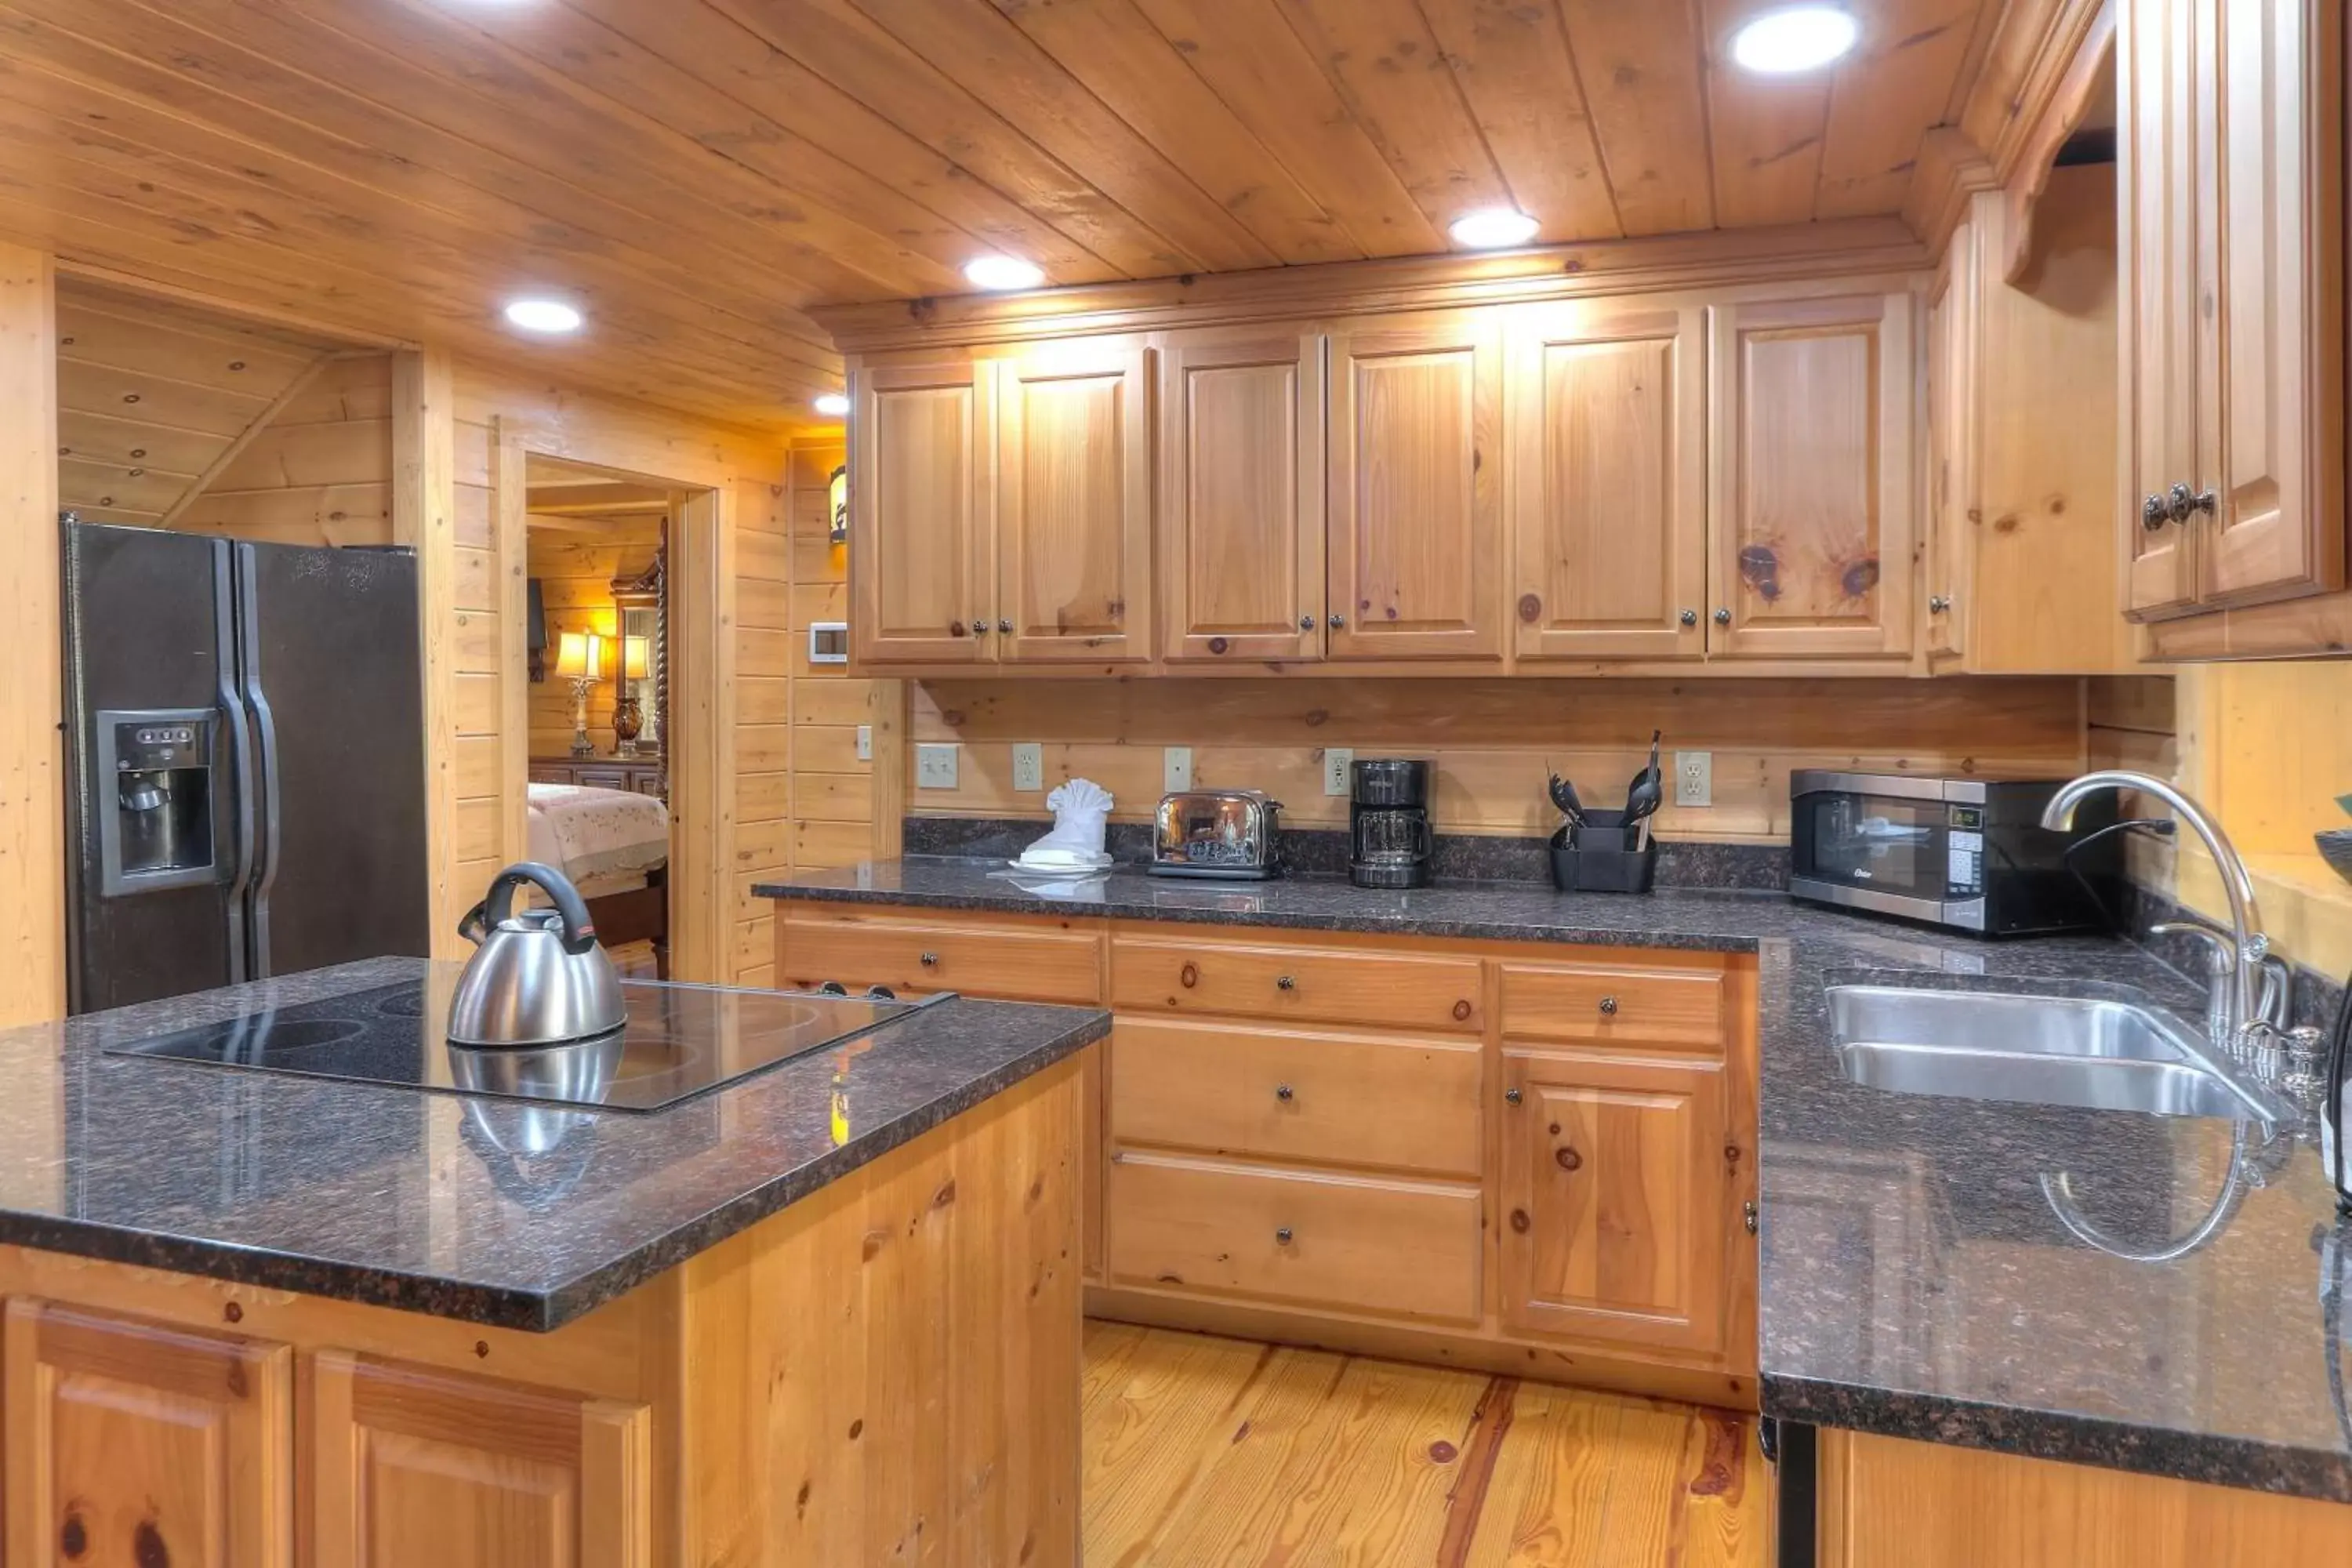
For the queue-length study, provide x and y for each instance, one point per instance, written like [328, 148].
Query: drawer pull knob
[1747, 1216]
[1282, 1236]
[1188, 977]
[1569, 1160]
[1511, 1096]
[1282, 1091]
[1609, 1004]
[1285, 982]
[1461, 1010]
[930, 960]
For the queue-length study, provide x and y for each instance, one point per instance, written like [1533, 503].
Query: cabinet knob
[1511, 1096]
[1286, 983]
[1688, 617]
[1282, 1236]
[2154, 513]
[1339, 621]
[929, 959]
[1282, 1091]
[955, 628]
[1609, 1005]
[1723, 614]
[1005, 625]
[1306, 623]
[1747, 1216]
[980, 628]
[2186, 503]
[1938, 604]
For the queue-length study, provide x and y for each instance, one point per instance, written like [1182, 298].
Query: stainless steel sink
[2095, 1052]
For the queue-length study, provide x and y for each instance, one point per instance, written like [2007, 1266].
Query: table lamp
[580, 655]
[628, 712]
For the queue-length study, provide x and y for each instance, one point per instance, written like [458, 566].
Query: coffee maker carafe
[1389, 842]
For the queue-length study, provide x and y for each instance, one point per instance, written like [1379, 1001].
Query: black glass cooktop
[680, 1041]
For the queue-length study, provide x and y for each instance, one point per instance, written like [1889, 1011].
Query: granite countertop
[406, 1198]
[1917, 1279]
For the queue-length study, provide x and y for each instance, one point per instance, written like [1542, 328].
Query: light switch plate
[1694, 778]
[1176, 768]
[1028, 765]
[865, 742]
[935, 765]
[1337, 761]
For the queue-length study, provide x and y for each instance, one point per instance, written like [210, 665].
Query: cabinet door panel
[1241, 497]
[1953, 350]
[1614, 1199]
[920, 562]
[2269, 311]
[412, 1465]
[133, 1442]
[1812, 492]
[1415, 530]
[1073, 506]
[1608, 486]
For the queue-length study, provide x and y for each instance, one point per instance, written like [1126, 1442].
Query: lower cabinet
[410, 1465]
[133, 1442]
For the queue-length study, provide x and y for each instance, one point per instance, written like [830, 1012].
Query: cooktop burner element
[679, 1041]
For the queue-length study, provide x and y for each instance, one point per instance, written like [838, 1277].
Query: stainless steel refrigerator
[245, 761]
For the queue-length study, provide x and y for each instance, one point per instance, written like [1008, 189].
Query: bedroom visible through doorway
[598, 646]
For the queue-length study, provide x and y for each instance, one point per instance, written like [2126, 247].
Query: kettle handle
[497, 904]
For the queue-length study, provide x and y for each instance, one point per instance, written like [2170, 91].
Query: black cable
[2161, 826]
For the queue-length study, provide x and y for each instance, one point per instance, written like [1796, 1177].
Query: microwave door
[1877, 843]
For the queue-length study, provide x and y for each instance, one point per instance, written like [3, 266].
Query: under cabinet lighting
[832, 405]
[1794, 39]
[548, 316]
[1003, 272]
[1491, 229]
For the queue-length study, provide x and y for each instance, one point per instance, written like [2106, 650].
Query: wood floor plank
[1151, 1430]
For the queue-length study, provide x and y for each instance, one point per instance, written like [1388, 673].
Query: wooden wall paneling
[1073, 505]
[1415, 543]
[423, 518]
[32, 761]
[703, 743]
[1240, 498]
[511, 535]
[923, 456]
[1813, 492]
[1605, 414]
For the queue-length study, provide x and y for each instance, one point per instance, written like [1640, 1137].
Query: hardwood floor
[1224, 1454]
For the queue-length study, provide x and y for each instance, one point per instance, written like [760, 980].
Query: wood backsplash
[1491, 739]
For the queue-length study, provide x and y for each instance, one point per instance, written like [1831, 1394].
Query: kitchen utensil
[1563, 795]
[1643, 796]
[538, 977]
[1235, 834]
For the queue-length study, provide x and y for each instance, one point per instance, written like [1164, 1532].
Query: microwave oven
[1965, 854]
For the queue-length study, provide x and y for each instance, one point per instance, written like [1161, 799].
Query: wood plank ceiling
[699, 173]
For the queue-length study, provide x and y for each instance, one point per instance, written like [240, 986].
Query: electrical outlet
[935, 765]
[1028, 765]
[865, 742]
[1176, 768]
[1336, 761]
[1694, 778]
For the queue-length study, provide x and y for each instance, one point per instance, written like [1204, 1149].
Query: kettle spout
[477, 923]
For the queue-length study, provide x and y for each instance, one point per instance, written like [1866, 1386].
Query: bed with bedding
[614, 846]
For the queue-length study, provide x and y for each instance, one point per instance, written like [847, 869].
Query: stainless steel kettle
[538, 977]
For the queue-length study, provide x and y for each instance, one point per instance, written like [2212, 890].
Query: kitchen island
[2020, 1330]
[828, 1313]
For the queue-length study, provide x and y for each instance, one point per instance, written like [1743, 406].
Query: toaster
[1230, 833]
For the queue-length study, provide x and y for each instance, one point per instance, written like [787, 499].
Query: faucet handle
[2221, 952]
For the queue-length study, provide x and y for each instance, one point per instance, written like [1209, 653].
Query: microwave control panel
[1964, 851]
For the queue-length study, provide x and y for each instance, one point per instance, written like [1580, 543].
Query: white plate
[1027, 870]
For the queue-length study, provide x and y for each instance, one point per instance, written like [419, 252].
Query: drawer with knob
[999, 960]
[1670, 1009]
[1398, 1247]
[1294, 1094]
[1282, 984]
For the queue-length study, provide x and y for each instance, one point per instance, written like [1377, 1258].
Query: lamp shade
[580, 654]
[636, 658]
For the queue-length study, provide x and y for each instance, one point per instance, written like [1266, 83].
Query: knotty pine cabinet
[2231, 216]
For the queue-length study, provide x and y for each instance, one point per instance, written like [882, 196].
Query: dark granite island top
[1916, 1277]
[404, 1198]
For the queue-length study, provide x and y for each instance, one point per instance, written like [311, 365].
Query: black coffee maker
[1389, 842]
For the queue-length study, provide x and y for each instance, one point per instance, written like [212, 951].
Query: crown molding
[1709, 258]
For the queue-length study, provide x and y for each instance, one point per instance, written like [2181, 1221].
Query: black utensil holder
[1590, 857]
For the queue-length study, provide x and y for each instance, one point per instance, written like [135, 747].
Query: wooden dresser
[638, 775]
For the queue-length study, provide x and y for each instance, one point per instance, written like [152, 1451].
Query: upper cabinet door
[1074, 505]
[1953, 357]
[1608, 483]
[1812, 488]
[1241, 497]
[2268, 306]
[921, 571]
[1415, 539]
[2157, 317]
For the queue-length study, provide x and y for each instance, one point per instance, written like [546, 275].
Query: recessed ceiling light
[1796, 38]
[1490, 228]
[833, 404]
[1003, 272]
[542, 316]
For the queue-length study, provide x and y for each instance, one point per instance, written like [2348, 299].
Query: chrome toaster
[1231, 833]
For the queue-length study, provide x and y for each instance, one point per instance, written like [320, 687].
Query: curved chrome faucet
[2237, 1006]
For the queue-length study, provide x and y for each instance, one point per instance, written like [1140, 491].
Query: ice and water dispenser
[159, 830]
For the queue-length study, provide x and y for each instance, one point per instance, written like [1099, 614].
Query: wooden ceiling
[698, 173]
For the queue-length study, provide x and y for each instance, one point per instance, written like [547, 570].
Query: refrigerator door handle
[248, 624]
[240, 759]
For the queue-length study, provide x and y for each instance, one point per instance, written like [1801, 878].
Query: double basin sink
[2108, 1052]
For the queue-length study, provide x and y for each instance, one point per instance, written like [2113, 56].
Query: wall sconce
[837, 494]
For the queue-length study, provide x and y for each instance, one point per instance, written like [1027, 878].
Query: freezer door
[328, 644]
[147, 628]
